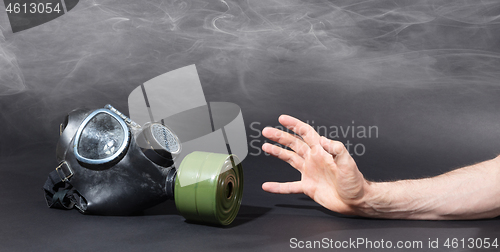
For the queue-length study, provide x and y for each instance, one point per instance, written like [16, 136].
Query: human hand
[329, 174]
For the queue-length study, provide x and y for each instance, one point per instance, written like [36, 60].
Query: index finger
[304, 130]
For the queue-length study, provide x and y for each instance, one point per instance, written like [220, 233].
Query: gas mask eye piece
[101, 138]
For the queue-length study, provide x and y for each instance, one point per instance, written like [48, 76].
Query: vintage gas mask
[111, 165]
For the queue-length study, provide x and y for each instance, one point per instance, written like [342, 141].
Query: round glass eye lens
[101, 137]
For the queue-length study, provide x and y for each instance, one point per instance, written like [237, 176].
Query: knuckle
[277, 134]
[304, 129]
[337, 147]
[276, 150]
[291, 161]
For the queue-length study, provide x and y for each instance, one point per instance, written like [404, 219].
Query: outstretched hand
[329, 175]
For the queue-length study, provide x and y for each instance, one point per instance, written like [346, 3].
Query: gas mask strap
[59, 193]
[64, 171]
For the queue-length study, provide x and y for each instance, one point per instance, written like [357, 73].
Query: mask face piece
[104, 168]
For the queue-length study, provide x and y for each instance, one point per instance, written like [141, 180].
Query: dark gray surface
[426, 73]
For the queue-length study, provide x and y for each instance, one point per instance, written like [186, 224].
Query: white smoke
[102, 49]
[376, 42]
[11, 77]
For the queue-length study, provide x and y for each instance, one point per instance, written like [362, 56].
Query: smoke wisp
[11, 77]
[249, 50]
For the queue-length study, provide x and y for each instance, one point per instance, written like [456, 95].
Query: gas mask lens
[101, 138]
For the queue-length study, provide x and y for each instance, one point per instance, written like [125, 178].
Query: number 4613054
[33, 8]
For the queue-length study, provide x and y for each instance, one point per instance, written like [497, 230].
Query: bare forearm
[471, 192]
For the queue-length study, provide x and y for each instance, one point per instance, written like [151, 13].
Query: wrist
[368, 205]
[386, 200]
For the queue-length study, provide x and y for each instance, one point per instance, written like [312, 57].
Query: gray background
[426, 73]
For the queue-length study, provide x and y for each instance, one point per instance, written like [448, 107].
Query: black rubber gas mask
[111, 165]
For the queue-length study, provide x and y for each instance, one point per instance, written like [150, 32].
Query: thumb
[336, 149]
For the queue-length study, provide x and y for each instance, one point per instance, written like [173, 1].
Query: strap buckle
[64, 171]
